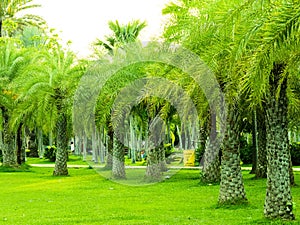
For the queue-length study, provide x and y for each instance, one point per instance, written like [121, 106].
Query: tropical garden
[200, 126]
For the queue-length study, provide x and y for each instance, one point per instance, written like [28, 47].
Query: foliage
[50, 153]
[246, 150]
[10, 21]
[121, 35]
[295, 153]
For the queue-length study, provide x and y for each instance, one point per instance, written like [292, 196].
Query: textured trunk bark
[153, 171]
[232, 186]
[8, 151]
[211, 172]
[261, 167]
[118, 165]
[61, 168]
[162, 158]
[278, 202]
[110, 147]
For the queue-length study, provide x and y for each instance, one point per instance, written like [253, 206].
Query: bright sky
[84, 21]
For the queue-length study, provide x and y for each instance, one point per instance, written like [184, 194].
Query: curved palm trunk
[232, 186]
[118, 166]
[278, 202]
[61, 168]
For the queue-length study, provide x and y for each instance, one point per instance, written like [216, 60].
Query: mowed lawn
[85, 197]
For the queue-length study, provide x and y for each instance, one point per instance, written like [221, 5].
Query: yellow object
[189, 157]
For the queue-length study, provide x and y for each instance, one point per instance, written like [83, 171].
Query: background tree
[122, 34]
[10, 22]
[202, 30]
[273, 62]
[50, 89]
[12, 61]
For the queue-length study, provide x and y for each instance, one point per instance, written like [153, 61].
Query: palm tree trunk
[8, 151]
[261, 167]
[1, 23]
[118, 165]
[211, 172]
[110, 147]
[19, 146]
[153, 171]
[278, 202]
[40, 142]
[61, 168]
[254, 142]
[162, 158]
[232, 186]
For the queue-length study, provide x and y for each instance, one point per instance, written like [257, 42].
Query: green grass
[73, 160]
[85, 197]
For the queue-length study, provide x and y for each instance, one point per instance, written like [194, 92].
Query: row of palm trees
[250, 46]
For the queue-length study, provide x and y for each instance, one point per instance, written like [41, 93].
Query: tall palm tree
[122, 34]
[11, 63]
[9, 10]
[54, 75]
[273, 65]
[197, 27]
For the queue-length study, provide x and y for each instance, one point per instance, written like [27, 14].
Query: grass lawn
[85, 197]
[73, 160]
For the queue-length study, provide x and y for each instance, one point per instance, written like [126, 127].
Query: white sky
[84, 21]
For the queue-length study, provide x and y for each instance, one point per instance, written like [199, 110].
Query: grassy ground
[85, 197]
[73, 160]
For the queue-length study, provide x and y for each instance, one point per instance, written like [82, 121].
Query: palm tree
[122, 34]
[203, 31]
[272, 63]
[50, 89]
[11, 63]
[8, 13]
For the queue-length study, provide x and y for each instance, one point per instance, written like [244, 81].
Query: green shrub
[50, 153]
[1, 157]
[246, 151]
[168, 150]
[295, 153]
[199, 154]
